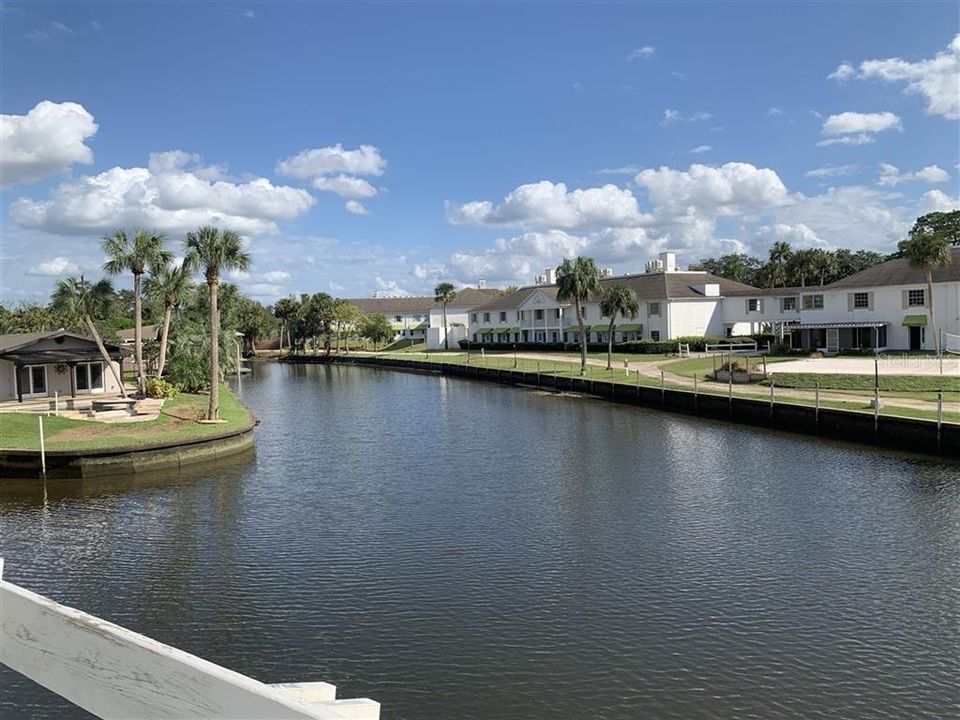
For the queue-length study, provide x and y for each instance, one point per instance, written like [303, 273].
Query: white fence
[113, 672]
[736, 348]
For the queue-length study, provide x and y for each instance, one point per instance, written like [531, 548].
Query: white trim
[89, 390]
[46, 381]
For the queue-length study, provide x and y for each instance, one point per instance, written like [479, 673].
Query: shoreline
[921, 437]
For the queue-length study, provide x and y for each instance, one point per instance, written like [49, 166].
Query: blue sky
[364, 146]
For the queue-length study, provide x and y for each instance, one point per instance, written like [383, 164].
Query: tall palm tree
[77, 300]
[803, 265]
[780, 254]
[444, 293]
[285, 310]
[576, 280]
[168, 284]
[927, 250]
[213, 251]
[824, 262]
[618, 300]
[135, 254]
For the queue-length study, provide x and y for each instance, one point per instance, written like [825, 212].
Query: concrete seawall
[102, 463]
[907, 434]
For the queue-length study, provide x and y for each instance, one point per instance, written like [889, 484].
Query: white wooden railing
[748, 346]
[113, 672]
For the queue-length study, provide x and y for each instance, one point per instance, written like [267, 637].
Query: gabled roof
[777, 291]
[899, 272]
[466, 298]
[56, 346]
[513, 301]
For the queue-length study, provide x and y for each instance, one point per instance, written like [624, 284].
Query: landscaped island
[82, 448]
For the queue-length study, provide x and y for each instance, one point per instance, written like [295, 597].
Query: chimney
[669, 261]
[550, 275]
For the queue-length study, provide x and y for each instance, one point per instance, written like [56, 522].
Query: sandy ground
[865, 366]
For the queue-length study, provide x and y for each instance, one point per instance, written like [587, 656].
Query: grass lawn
[177, 422]
[702, 367]
[909, 384]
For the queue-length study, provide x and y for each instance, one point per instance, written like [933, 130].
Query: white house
[36, 365]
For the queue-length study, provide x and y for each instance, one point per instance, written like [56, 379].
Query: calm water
[463, 550]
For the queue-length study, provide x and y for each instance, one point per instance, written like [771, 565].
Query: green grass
[702, 367]
[893, 383]
[177, 423]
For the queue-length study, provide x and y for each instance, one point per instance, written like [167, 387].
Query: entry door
[33, 380]
[916, 338]
[833, 340]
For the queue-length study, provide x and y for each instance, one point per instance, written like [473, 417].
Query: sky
[365, 146]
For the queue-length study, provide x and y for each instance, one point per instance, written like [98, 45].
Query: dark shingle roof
[899, 272]
[466, 298]
[776, 292]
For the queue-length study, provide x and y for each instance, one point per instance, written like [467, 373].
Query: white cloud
[265, 290]
[51, 30]
[169, 195]
[854, 122]
[355, 207]
[936, 79]
[55, 267]
[859, 139]
[844, 72]
[831, 171]
[310, 164]
[345, 186]
[248, 14]
[890, 175]
[939, 201]
[700, 149]
[48, 140]
[548, 204]
[671, 117]
[641, 53]
[275, 276]
[774, 112]
[726, 190]
[622, 170]
[798, 235]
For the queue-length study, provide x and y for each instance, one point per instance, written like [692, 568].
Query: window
[583, 312]
[503, 316]
[861, 300]
[653, 309]
[654, 334]
[486, 317]
[556, 313]
[519, 315]
[89, 376]
[538, 314]
[473, 317]
[789, 303]
[813, 302]
[915, 298]
[753, 305]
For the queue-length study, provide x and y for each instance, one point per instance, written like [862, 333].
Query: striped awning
[834, 325]
[915, 321]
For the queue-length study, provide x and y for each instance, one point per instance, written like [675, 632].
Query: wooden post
[73, 380]
[771, 397]
[43, 449]
[663, 389]
[816, 407]
[939, 415]
[19, 382]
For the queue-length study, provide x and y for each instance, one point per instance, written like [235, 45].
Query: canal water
[456, 549]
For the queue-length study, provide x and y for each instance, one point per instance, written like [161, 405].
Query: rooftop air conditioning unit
[654, 266]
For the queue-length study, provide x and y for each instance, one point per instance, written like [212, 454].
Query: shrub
[190, 373]
[160, 388]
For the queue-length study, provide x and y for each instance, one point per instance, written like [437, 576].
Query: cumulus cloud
[700, 149]
[345, 186]
[171, 195]
[54, 268]
[937, 79]
[938, 201]
[854, 122]
[831, 171]
[858, 139]
[548, 204]
[726, 190]
[355, 207]
[798, 235]
[48, 140]
[890, 175]
[641, 53]
[774, 112]
[310, 164]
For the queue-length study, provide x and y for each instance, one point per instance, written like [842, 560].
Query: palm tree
[214, 250]
[444, 293]
[803, 265]
[168, 284]
[618, 300]
[825, 263]
[927, 250]
[780, 254]
[577, 280]
[77, 300]
[135, 254]
[285, 310]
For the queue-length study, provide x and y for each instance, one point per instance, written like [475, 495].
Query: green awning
[915, 321]
[486, 331]
[510, 330]
[396, 326]
[634, 327]
[605, 327]
[422, 326]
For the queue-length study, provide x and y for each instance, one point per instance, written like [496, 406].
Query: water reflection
[438, 543]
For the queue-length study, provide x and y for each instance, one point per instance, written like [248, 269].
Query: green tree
[213, 251]
[618, 300]
[927, 249]
[941, 224]
[780, 254]
[444, 293]
[168, 286]
[285, 310]
[803, 266]
[345, 316]
[576, 280]
[79, 300]
[254, 321]
[376, 329]
[135, 254]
